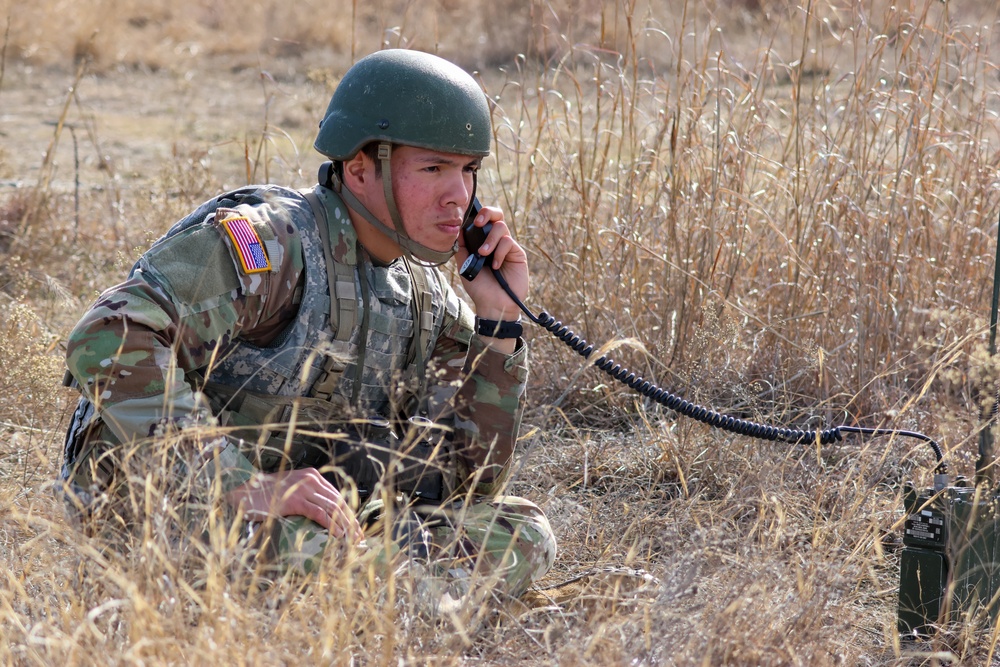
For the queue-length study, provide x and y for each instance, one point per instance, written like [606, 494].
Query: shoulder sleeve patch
[247, 246]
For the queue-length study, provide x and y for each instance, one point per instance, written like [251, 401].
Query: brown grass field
[784, 210]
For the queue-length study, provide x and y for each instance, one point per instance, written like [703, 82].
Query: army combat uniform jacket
[234, 306]
[260, 315]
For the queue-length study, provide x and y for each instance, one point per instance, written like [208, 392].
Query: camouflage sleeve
[480, 393]
[184, 302]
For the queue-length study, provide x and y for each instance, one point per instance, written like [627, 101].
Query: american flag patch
[249, 248]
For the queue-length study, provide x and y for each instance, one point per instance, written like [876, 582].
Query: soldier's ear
[358, 170]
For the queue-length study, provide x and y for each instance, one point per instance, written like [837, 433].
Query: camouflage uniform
[203, 330]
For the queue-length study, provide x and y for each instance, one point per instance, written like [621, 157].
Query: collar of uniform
[343, 238]
[390, 284]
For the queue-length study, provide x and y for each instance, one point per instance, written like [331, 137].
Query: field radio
[950, 562]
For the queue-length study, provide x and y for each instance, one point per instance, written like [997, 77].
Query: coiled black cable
[701, 413]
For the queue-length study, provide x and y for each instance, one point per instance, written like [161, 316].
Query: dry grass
[785, 210]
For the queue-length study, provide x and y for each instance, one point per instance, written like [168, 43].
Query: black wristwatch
[499, 328]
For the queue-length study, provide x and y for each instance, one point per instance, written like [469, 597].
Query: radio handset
[474, 238]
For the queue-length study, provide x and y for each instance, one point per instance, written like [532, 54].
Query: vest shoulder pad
[232, 249]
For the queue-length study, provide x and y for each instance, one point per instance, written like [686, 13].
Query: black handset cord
[701, 413]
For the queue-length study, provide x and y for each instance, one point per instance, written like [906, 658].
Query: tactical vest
[318, 378]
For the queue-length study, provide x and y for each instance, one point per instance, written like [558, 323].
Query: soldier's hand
[297, 493]
[491, 300]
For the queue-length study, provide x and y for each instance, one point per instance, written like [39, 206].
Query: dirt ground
[121, 128]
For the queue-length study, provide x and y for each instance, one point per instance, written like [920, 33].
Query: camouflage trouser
[506, 540]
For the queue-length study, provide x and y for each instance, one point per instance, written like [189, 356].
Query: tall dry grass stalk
[783, 210]
[823, 203]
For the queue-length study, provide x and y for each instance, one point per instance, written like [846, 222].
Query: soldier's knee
[541, 545]
[536, 541]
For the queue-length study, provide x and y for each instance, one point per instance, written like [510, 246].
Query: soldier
[354, 391]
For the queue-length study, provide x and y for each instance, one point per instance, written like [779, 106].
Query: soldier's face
[432, 191]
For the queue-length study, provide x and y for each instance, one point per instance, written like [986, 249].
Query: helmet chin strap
[411, 249]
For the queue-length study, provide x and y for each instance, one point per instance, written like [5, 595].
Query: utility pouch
[262, 424]
[80, 426]
[361, 454]
[372, 453]
[417, 473]
[89, 456]
[421, 460]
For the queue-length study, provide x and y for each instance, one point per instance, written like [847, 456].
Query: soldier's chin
[444, 243]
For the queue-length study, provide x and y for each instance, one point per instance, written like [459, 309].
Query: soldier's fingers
[341, 524]
[333, 498]
[315, 486]
[339, 519]
[345, 520]
[498, 232]
[504, 246]
[312, 479]
[489, 214]
[313, 496]
[317, 513]
[346, 527]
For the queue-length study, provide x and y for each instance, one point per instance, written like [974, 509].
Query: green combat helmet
[398, 96]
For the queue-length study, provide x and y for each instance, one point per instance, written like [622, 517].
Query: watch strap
[499, 328]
